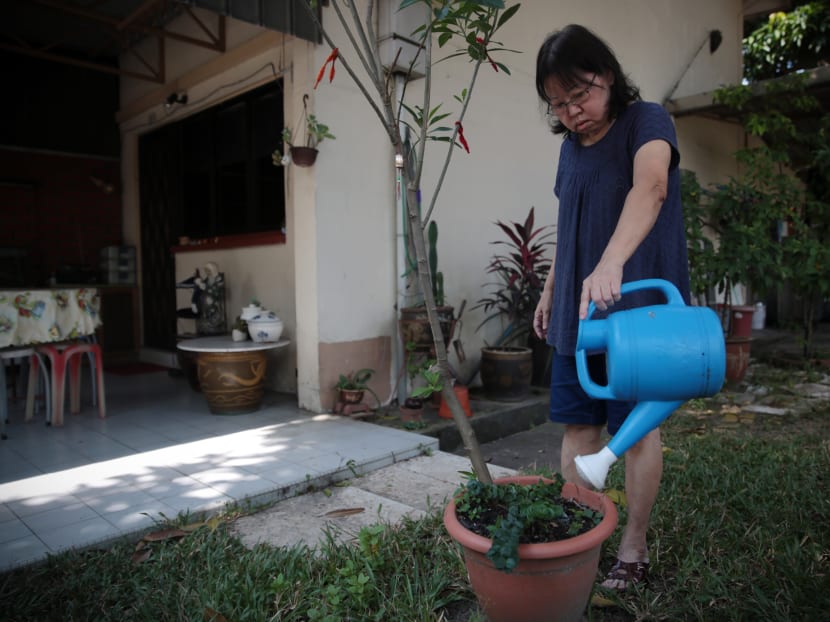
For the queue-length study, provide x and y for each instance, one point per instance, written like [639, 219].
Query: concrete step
[408, 488]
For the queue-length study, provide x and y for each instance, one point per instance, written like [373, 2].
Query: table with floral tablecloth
[35, 316]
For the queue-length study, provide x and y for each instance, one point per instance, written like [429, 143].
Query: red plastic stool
[61, 355]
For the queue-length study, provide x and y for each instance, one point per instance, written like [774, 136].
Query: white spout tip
[594, 467]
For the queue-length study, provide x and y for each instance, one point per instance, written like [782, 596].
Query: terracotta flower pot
[737, 357]
[409, 415]
[463, 395]
[740, 321]
[552, 581]
[351, 396]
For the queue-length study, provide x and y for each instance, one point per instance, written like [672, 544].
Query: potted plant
[743, 215]
[352, 386]
[518, 358]
[414, 323]
[412, 409]
[303, 153]
[531, 544]
[432, 385]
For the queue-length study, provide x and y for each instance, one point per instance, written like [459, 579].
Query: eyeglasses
[577, 100]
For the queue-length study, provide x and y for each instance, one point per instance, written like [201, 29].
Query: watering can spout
[593, 468]
[645, 417]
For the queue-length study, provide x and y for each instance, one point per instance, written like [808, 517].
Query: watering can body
[658, 356]
[664, 353]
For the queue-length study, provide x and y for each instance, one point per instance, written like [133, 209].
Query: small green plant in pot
[352, 386]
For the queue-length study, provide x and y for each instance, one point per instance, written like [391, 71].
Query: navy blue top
[591, 184]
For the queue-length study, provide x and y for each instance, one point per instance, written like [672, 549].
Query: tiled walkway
[160, 452]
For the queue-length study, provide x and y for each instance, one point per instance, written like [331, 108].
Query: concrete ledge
[491, 420]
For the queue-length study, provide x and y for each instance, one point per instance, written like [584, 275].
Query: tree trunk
[468, 436]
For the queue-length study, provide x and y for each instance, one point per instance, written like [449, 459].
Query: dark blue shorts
[569, 404]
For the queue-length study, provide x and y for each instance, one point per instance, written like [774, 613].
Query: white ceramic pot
[251, 311]
[265, 327]
[239, 335]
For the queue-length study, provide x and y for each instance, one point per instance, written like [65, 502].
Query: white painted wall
[335, 279]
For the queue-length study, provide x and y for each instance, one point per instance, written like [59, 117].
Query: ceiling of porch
[94, 33]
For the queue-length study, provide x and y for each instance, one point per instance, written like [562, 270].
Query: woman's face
[581, 107]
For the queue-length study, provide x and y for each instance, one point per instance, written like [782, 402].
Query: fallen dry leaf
[211, 615]
[164, 534]
[141, 555]
[344, 512]
[214, 521]
[617, 496]
[600, 601]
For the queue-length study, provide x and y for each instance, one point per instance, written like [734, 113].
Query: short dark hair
[573, 51]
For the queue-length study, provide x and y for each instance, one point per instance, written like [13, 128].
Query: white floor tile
[159, 453]
[84, 533]
[14, 530]
[22, 551]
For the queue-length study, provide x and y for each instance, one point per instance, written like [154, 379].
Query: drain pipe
[399, 391]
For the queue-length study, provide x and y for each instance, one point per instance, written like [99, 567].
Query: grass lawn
[740, 532]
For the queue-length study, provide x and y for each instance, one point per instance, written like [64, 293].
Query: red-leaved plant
[521, 271]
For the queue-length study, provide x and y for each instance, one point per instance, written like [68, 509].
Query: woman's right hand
[541, 316]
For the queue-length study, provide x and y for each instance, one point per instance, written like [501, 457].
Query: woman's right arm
[541, 316]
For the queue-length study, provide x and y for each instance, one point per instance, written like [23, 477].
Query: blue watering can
[659, 356]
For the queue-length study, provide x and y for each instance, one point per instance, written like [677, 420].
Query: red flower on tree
[461, 137]
[492, 62]
[331, 58]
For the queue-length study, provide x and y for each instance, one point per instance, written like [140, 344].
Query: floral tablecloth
[44, 315]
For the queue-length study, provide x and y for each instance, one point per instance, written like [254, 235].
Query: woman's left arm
[639, 213]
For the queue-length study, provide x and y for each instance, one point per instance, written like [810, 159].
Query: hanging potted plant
[303, 153]
[531, 545]
[518, 358]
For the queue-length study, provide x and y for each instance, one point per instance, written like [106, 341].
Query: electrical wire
[174, 111]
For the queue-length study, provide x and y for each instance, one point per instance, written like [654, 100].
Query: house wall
[253, 57]
[335, 280]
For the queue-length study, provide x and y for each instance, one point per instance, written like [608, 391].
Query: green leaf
[506, 15]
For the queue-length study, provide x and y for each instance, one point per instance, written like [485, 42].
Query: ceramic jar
[265, 326]
[250, 311]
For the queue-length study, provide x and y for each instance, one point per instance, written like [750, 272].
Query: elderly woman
[620, 220]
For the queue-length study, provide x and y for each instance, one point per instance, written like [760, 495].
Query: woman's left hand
[602, 287]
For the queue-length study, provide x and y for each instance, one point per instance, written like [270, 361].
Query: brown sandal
[627, 574]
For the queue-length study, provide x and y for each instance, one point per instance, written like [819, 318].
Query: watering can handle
[673, 297]
[672, 294]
